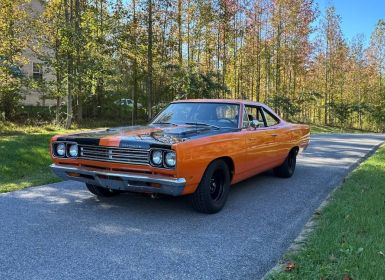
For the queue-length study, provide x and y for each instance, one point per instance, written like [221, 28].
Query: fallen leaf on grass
[332, 258]
[347, 277]
[360, 250]
[290, 266]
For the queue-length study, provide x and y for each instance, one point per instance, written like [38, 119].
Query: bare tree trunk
[258, 47]
[58, 83]
[57, 112]
[69, 93]
[267, 72]
[218, 52]
[68, 19]
[78, 31]
[224, 60]
[135, 64]
[180, 32]
[149, 60]
[278, 54]
[188, 34]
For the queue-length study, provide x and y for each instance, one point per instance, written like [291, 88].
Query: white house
[35, 69]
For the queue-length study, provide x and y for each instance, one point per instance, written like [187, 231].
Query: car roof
[232, 101]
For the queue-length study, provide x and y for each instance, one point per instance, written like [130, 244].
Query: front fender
[196, 155]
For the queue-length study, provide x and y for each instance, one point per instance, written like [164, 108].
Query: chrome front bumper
[136, 182]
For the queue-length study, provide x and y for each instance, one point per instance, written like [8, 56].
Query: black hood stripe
[162, 138]
[80, 140]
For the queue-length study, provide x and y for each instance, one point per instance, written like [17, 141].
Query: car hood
[143, 137]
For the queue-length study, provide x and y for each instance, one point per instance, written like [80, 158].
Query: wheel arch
[229, 162]
[294, 149]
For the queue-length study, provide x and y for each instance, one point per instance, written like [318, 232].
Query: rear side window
[245, 121]
[254, 114]
[270, 118]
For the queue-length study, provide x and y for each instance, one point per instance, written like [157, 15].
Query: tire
[102, 192]
[287, 168]
[213, 190]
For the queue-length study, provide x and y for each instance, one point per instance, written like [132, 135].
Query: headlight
[61, 149]
[157, 157]
[73, 151]
[170, 159]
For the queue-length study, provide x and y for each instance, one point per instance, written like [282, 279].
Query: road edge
[310, 225]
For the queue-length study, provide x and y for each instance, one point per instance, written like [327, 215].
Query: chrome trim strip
[114, 161]
[129, 181]
[114, 154]
[112, 147]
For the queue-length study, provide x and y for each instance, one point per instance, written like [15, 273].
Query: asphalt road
[60, 231]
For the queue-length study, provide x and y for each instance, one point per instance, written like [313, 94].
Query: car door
[260, 142]
[279, 135]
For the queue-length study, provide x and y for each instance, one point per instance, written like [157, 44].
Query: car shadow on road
[72, 196]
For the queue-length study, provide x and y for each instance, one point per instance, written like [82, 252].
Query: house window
[37, 71]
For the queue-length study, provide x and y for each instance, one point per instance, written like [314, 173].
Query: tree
[377, 49]
[13, 40]
[332, 41]
[376, 54]
[149, 57]
[273, 51]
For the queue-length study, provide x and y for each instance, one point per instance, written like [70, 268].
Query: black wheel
[100, 191]
[212, 192]
[286, 170]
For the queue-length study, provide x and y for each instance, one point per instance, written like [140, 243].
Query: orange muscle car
[197, 147]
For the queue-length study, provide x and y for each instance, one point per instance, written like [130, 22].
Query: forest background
[284, 53]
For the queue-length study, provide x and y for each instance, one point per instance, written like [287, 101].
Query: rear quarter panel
[288, 136]
[300, 134]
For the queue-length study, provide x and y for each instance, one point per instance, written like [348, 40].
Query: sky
[358, 16]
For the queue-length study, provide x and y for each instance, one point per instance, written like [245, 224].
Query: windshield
[213, 114]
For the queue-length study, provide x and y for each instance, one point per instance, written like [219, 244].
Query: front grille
[112, 154]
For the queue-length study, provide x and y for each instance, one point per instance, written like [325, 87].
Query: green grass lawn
[11, 129]
[349, 237]
[330, 129]
[24, 161]
[24, 156]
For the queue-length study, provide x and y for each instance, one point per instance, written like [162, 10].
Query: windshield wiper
[205, 124]
[165, 123]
